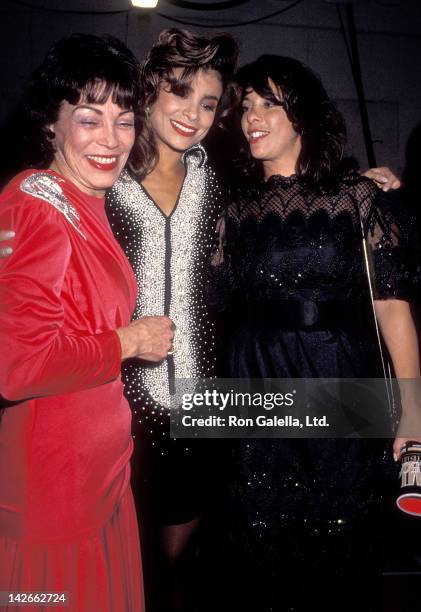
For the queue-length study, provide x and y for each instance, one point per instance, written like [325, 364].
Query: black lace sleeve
[390, 231]
[222, 279]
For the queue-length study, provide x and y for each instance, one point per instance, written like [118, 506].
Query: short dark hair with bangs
[190, 51]
[81, 67]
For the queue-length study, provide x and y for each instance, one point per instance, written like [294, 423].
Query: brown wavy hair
[192, 52]
[320, 165]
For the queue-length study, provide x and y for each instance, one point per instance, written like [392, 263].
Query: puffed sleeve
[38, 358]
[390, 231]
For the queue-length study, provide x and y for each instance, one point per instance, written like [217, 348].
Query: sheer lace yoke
[279, 239]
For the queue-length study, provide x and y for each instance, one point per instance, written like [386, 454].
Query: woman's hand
[384, 177]
[409, 429]
[398, 444]
[6, 235]
[149, 338]
[399, 333]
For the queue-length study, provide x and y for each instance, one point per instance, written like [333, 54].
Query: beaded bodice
[169, 255]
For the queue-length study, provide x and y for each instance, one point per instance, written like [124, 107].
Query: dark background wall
[389, 38]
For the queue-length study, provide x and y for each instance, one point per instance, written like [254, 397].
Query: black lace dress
[305, 516]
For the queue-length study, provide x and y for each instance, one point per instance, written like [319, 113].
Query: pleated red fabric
[67, 520]
[99, 573]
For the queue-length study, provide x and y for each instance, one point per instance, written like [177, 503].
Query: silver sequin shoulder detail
[45, 186]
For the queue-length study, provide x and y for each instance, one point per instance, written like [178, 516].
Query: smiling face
[92, 143]
[182, 121]
[270, 133]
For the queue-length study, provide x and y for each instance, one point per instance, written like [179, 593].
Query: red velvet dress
[67, 520]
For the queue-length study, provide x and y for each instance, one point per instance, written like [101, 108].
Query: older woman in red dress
[67, 293]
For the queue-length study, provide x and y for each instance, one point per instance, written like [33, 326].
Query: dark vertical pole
[356, 70]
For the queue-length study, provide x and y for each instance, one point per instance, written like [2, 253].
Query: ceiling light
[145, 3]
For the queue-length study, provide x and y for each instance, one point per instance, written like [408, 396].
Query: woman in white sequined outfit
[164, 218]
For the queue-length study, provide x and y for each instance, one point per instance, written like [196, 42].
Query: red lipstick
[103, 162]
[188, 130]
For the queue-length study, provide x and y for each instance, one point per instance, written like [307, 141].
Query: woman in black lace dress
[306, 515]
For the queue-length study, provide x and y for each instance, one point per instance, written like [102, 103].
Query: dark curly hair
[77, 67]
[192, 52]
[320, 166]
